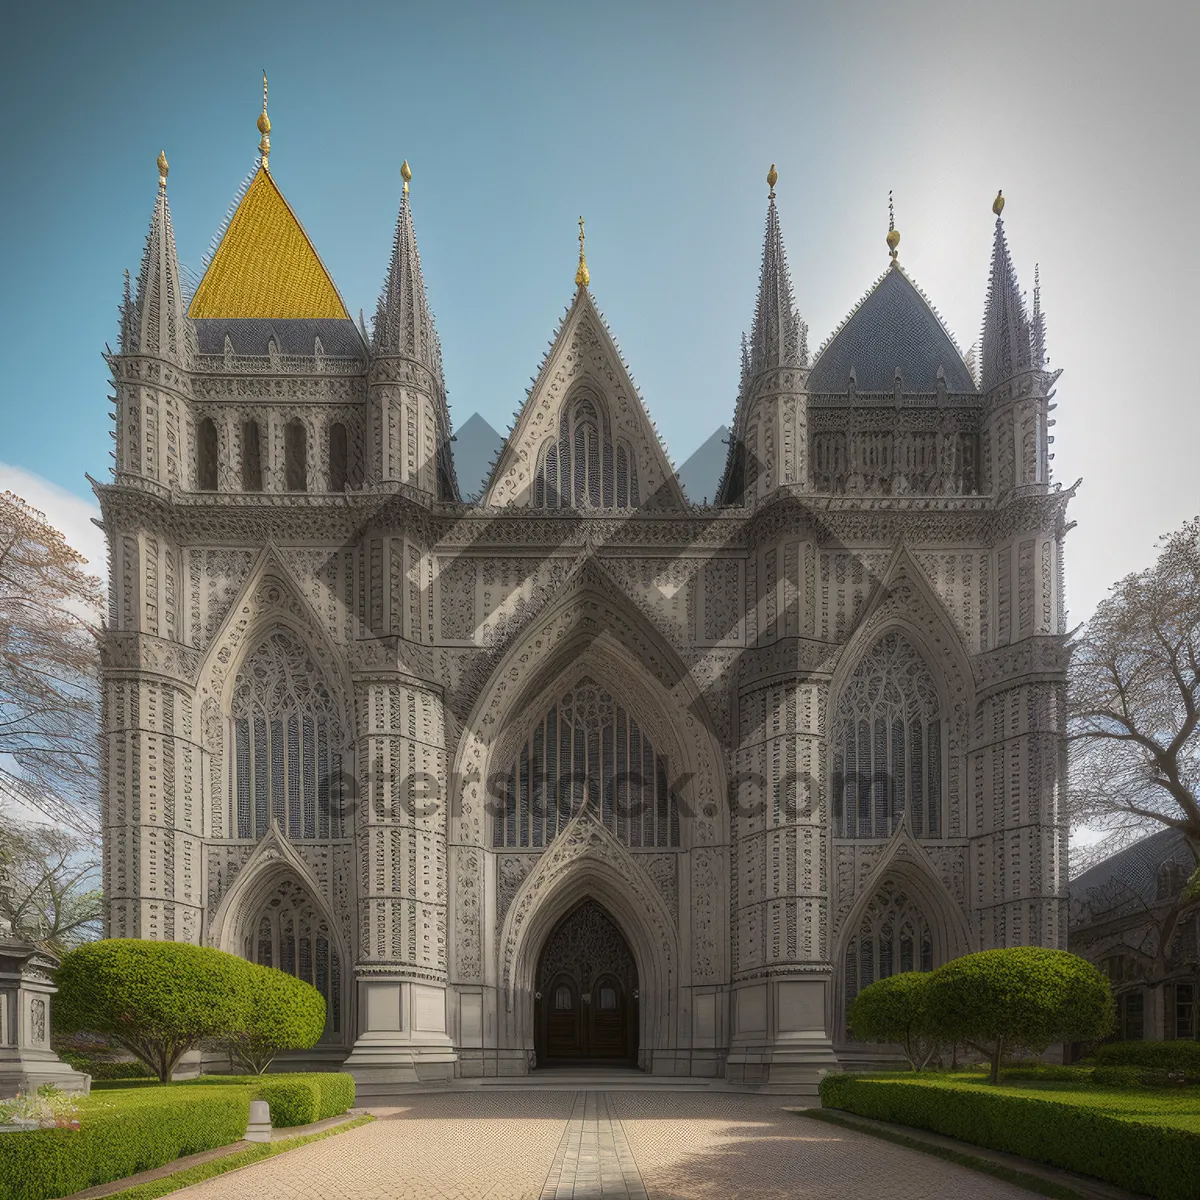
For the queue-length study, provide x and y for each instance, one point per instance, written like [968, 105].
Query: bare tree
[52, 890]
[1134, 703]
[49, 607]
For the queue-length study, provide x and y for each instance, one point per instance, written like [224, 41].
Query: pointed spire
[154, 322]
[745, 377]
[582, 276]
[264, 127]
[776, 337]
[403, 322]
[893, 235]
[1006, 331]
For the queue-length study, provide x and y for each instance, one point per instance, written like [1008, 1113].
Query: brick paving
[534, 1145]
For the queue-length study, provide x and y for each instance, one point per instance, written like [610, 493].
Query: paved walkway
[533, 1145]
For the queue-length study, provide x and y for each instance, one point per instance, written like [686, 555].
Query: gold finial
[405, 174]
[583, 276]
[264, 127]
[893, 237]
[772, 180]
[998, 203]
[163, 168]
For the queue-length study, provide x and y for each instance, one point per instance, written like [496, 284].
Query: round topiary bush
[893, 1010]
[1023, 996]
[283, 1013]
[157, 999]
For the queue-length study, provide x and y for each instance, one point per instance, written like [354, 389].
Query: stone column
[400, 834]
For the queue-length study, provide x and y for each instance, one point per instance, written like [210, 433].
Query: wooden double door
[587, 997]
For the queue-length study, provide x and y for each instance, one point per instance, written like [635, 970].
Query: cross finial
[264, 127]
[893, 237]
[582, 276]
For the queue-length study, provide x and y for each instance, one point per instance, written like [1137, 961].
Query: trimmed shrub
[1178, 1059]
[335, 1092]
[121, 1133]
[156, 999]
[294, 1099]
[893, 1010]
[1024, 996]
[1151, 1160]
[101, 1069]
[281, 1013]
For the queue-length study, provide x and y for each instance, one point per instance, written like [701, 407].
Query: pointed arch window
[893, 936]
[583, 467]
[287, 745]
[292, 934]
[887, 745]
[206, 455]
[252, 479]
[295, 456]
[338, 457]
[589, 749]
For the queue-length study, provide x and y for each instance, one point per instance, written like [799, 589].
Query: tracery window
[293, 935]
[338, 473]
[892, 937]
[206, 455]
[252, 480]
[584, 467]
[295, 456]
[1170, 880]
[887, 745]
[587, 747]
[287, 745]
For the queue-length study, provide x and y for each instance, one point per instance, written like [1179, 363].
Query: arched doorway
[586, 998]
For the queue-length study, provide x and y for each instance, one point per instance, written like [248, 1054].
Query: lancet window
[587, 749]
[887, 745]
[338, 457]
[252, 477]
[287, 745]
[892, 937]
[206, 455]
[292, 934]
[584, 467]
[295, 456]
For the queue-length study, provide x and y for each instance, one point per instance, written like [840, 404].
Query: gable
[585, 411]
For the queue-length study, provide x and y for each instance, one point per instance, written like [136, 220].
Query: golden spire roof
[582, 276]
[265, 265]
[893, 237]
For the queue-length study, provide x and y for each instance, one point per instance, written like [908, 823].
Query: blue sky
[656, 121]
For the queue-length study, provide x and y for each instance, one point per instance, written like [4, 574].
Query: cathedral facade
[581, 769]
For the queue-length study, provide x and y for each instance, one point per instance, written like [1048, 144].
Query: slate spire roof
[893, 327]
[1007, 333]
[153, 322]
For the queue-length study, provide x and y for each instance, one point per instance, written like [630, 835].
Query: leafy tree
[1024, 996]
[282, 1013]
[893, 1010]
[51, 892]
[1134, 702]
[156, 999]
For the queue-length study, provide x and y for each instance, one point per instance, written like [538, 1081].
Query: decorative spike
[582, 275]
[1007, 342]
[264, 127]
[893, 236]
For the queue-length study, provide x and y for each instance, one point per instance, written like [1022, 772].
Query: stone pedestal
[402, 1038]
[779, 1033]
[26, 985]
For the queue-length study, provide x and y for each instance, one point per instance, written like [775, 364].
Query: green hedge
[1181, 1059]
[124, 1130]
[1151, 1160]
[106, 1068]
[121, 1133]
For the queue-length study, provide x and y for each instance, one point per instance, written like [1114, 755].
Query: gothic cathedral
[581, 770]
